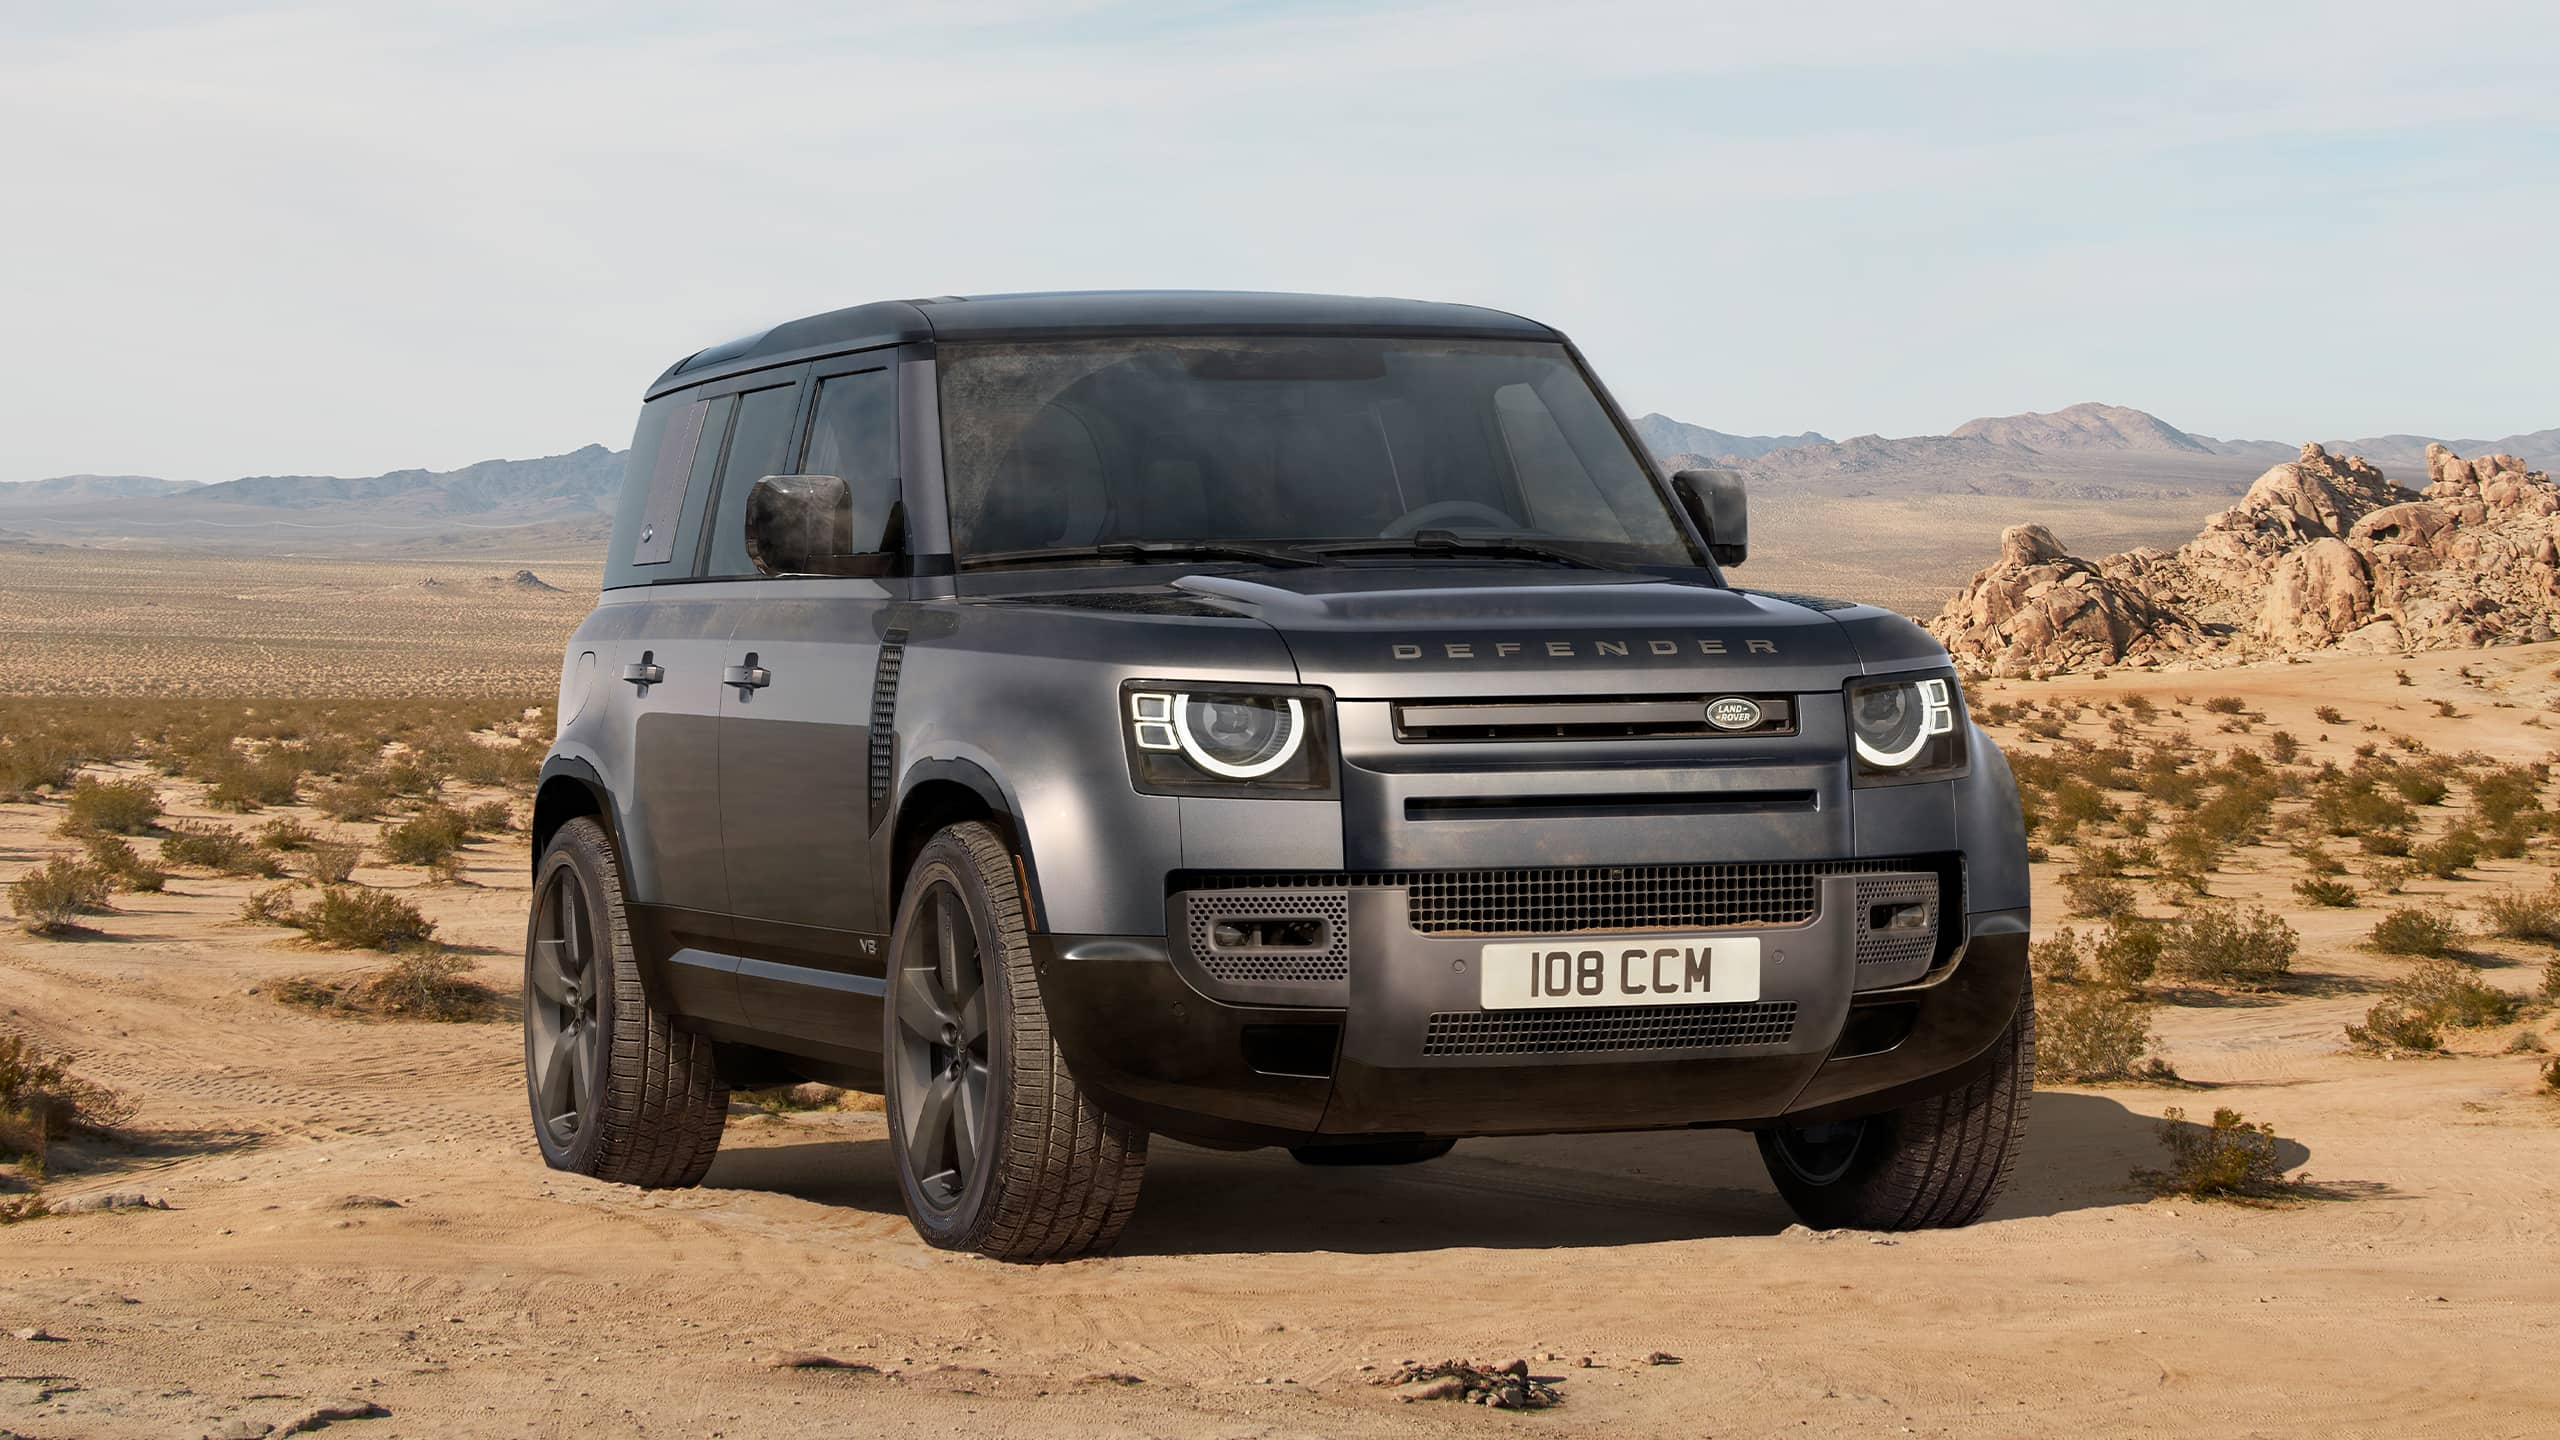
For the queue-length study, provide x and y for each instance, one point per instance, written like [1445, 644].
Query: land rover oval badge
[1733, 713]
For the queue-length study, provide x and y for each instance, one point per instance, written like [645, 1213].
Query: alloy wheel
[941, 1047]
[562, 1029]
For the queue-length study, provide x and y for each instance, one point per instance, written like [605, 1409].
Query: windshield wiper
[1443, 542]
[1144, 551]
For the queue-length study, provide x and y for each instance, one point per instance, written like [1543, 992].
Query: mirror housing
[1716, 501]
[805, 525]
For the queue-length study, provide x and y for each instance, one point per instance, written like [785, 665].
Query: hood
[1450, 632]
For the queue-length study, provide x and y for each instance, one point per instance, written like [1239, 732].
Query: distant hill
[591, 473]
[1665, 436]
[2538, 449]
[80, 489]
[2087, 426]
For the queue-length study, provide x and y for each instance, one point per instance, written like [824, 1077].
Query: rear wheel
[997, 1149]
[1373, 1152]
[617, 1091]
[1934, 1163]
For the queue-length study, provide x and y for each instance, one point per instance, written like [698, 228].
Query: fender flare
[998, 797]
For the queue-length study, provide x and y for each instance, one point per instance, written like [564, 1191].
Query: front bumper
[1403, 1047]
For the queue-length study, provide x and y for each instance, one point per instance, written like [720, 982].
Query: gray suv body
[1255, 720]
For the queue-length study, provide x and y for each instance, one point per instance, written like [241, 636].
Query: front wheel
[1938, 1162]
[997, 1149]
[617, 1091]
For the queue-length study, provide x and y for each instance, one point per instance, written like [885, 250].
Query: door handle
[749, 677]
[645, 671]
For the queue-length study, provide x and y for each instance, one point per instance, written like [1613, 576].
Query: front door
[795, 712]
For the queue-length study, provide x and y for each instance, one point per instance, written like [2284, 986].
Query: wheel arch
[935, 794]
[567, 789]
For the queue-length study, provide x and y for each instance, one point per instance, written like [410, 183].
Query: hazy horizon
[270, 239]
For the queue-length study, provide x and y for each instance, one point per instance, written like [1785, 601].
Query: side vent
[884, 722]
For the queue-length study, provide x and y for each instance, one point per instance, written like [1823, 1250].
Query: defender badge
[1733, 712]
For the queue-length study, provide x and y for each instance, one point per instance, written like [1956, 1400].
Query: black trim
[883, 753]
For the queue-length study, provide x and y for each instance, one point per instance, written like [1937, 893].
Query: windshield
[1360, 444]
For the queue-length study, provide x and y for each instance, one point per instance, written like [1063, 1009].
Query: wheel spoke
[581, 1081]
[931, 1140]
[946, 938]
[548, 981]
[921, 1006]
[573, 927]
[973, 1018]
[968, 1109]
[554, 1087]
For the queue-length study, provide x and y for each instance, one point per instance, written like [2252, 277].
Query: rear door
[796, 810]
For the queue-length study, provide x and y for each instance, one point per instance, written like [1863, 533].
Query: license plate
[1621, 970]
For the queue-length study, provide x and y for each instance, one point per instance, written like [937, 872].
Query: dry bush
[2319, 861]
[2417, 787]
[111, 807]
[271, 906]
[2088, 1034]
[2128, 951]
[2056, 960]
[274, 778]
[2526, 915]
[2417, 1008]
[427, 838]
[2330, 715]
[124, 864]
[346, 918]
[42, 1101]
[491, 817]
[285, 835]
[429, 985]
[49, 898]
[2225, 705]
[2230, 1159]
[2228, 944]
[207, 846]
[2551, 1076]
[332, 862]
[2411, 931]
[2325, 892]
[358, 797]
[2096, 897]
[2395, 1027]
[2447, 858]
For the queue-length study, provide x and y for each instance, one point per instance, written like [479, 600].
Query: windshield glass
[1446, 445]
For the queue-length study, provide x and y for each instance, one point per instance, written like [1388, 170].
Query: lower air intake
[1602, 1029]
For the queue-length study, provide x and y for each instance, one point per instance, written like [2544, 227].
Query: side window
[853, 433]
[757, 446]
[672, 468]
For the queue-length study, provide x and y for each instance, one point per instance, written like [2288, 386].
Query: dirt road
[356, 1210]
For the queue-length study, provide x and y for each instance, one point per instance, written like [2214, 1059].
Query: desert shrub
[49, 898]
[2229, 1159]
[2226, 944]
[2056, 959]
[2508, 792]
[2225, 705]
[2283, 748]
[2190, 854]
[412, 777]
[2078, 802]
[347, 918]
[2392, 878]
[124, 865]
[491, 817]
[2551, 1076]
[2419, 788]
[2095, 897]
[285, 835]
[2128, 951]
[220, 848]
[33, 763]
[2326, 892]
[2388, 843]
[2331, 715]
[332, 862]
[429, 985]
[2411, 931]
[358, 797]
[2395, 1027]
[243, 784]
[2453, 993]
[111, 807]
[48, 1102]
[2101, 861]
[2525, 915]
[270, 906]
[2447, 858]
[2086, 1034]
[426, 838]
[2319, 861]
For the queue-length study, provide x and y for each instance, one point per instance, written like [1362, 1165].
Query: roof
[1093, 312]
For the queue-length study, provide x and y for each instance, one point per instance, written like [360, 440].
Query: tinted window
[1080, 442]
[756, 445]
[853, 433]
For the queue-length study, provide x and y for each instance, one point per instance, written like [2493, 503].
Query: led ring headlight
[1892, 724]
[1235, 737]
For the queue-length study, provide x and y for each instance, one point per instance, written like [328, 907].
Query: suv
[1255, 720]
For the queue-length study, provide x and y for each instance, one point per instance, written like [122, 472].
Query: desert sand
[356, 1214]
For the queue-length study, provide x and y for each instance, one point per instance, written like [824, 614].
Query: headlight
[1905, 729]
[1225, 740]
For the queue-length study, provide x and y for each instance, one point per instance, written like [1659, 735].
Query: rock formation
[2321, 553]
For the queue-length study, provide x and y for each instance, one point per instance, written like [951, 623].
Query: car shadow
[1531, 1192]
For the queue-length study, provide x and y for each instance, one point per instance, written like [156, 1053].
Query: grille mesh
[1890, 947]
[1203, 909]
[1608, 1028]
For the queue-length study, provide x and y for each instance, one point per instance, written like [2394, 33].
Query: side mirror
[1716, 501]
[819, 525]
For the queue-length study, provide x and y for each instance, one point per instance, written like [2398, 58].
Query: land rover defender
[1255, 720]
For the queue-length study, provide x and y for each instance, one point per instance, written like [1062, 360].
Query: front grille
[1329, 963]
[1597, 898]
[1608, 1028]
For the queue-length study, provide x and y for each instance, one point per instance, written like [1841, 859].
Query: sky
[289, 239]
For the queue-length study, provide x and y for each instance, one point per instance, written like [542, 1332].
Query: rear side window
[656, 542]
[853, 433]
[757, 445]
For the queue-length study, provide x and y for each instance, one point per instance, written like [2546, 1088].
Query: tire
[997, 1149]
[1373, 1152]
[1933, 1164]
[645, 1105]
